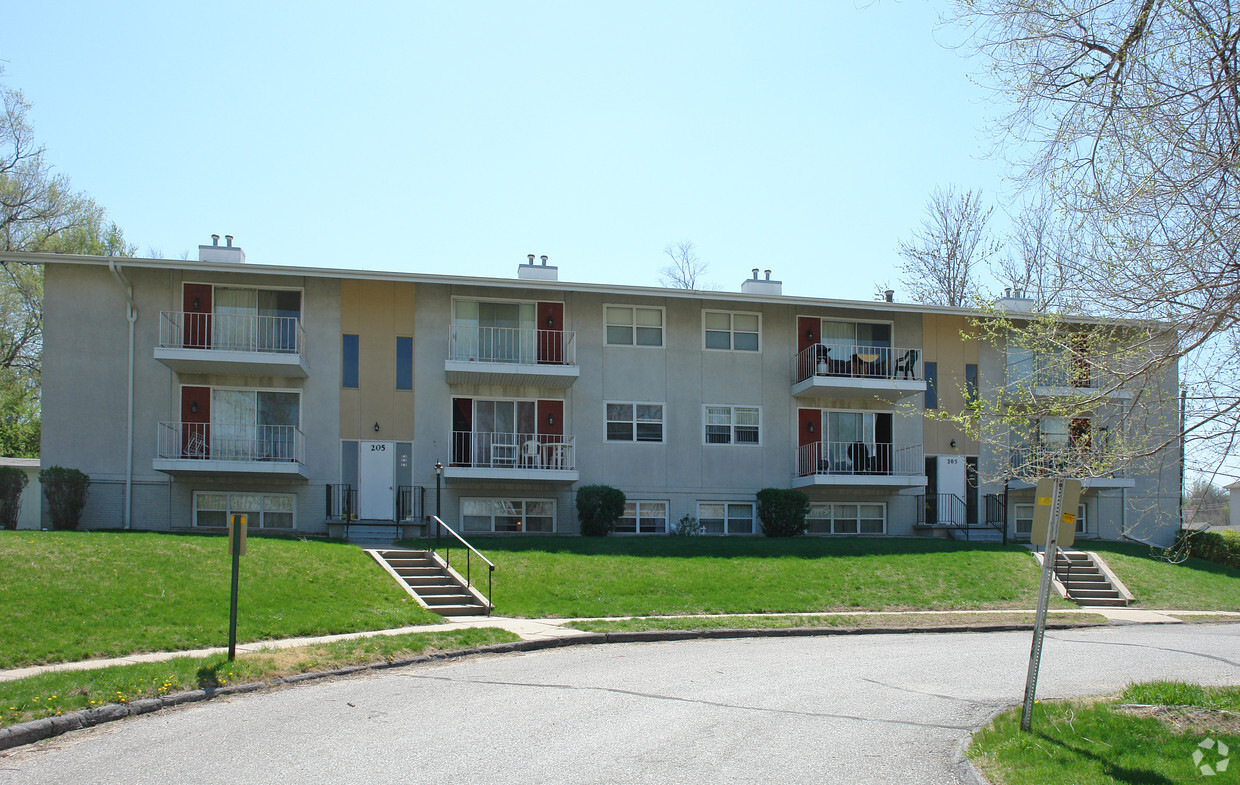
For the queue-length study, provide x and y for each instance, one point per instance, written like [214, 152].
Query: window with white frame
[1024, 519]
[726, 517]
[628, 325]
[634, 422]
[643, 517]
[254, 424]
[732, 424]
[847, 518]
[508, 515]
[730, 330]
[255, 319]
[214, 509]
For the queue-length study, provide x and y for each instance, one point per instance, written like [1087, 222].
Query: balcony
[204, 448]
[853, 371]
[1030, 462]
[241, 344]
[859, 464]
[1053, 376]
[482, 455]
[511, 356]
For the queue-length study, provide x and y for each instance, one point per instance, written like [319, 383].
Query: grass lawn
[1195, 585]
[76, 595]
[649, 576]
[900, 620]
[1088, 742]
[56, 693]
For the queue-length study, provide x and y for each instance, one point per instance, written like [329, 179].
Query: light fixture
[809, 334]
[550, 321]
[438, 468]
[196, 305]
[811, 427]
[376, 427]
[550, 419]
[193, 406]
[953, 444]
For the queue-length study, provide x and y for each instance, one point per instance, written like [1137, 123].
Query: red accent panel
[550, 333]
[462, 425]
[1078, 433]
[808, 332]
[196, 332]
[196, 425]
[547, 412]
[805, 419]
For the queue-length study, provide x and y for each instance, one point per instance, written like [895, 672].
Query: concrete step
[450, 600]
[460, 610]
[1101, 602]
[417, 581]
[1082, 594]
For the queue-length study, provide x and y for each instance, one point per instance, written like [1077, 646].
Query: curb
[50, 727]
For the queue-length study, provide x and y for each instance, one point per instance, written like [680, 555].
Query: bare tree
[686, 270]
[940, 257]
[1127, 114]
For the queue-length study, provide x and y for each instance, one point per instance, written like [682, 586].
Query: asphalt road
[858, 709]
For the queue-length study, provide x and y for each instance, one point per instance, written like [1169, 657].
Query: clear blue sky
[458, 137]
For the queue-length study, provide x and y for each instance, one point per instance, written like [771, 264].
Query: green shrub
[598, 509]
[12, 483]
[782, 511]
[65, 491]
[688, 526]
[1219, 547]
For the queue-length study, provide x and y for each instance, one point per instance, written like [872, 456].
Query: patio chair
[906, 365]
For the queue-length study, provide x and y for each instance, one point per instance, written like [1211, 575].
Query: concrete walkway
[541, 629]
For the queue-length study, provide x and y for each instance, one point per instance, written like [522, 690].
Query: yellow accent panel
[377, 312]
[944, 344]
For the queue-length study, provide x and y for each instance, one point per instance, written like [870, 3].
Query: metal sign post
[236, 547]
[1052, 496]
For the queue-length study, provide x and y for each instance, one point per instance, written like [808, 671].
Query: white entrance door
[951, 473]
[376, 491]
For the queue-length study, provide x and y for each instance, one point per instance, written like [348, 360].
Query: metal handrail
[519, 345]
[236, 332]
[469, 549]
[507, 450]
[858, 361]
[949, 510]
[230, 442]
[859, 457]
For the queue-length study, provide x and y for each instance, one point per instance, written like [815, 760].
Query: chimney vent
[756, 285]
[215, 239]
[228, 239]
[531, 257]
[768, 274]
[544, 260]
[755, 273]
[889, 295]
[533, 272]
[218, 253]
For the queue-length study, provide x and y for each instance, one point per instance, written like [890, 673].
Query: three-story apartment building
[307, 397]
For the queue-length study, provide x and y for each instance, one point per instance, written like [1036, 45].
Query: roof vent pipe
[215, 239]
[755, 273]
[531, 259]
[544, 260]
[228, 239]
[1007, 291]
[889, 295]
[768, 274]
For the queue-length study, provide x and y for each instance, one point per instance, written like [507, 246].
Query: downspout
[132, 315]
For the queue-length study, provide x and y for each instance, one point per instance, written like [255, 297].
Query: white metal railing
[232, 332]
[1063, 459]
[525, 346]
[858, 457]
[224, 442]
[856, 361]
[502, 450]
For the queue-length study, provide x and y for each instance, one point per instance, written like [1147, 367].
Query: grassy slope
[550, 576]
[75, 595]
[1194, 585]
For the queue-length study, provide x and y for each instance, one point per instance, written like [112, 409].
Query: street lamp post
[438, 507]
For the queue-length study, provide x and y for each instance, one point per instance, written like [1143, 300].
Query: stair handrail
[469, 549]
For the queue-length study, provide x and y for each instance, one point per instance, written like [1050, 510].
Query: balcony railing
[859, 458]
[513, 345]
[1062, 459]
[224, 442]
[232, 332]
[858, 362]
[492, 450]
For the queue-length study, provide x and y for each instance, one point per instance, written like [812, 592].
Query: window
[629, 422]
[256, 319]
[404, 363]
[1024, 519]
[643, 518]
[1019, 365]
[508, 515]
[848, 518]
[633, 326]
[263, 510]
[254, 424]
[970, 382]
[726, 517]
[727, 330]
[932, 385]
[488, 331]
[732, 424]
[348, 361]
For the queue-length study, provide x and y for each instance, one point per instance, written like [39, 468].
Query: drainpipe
[132, 315]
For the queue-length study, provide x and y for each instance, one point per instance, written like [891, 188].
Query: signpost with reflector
[236, 548]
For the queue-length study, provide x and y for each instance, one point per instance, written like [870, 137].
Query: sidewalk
[543, 629]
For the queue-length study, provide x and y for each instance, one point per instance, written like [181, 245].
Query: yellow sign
[236, 534]
[1045, 493]
[1045, 501]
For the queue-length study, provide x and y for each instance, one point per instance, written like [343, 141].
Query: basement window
[262, 510]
